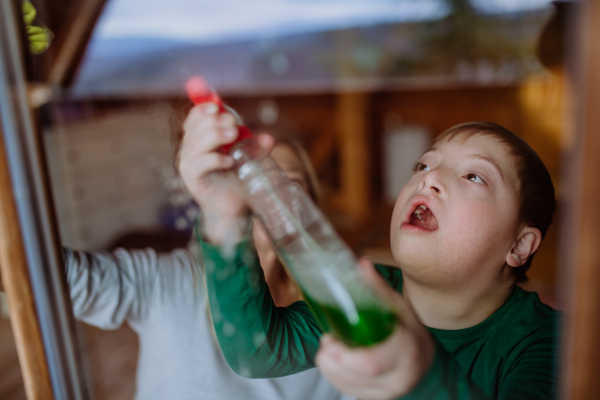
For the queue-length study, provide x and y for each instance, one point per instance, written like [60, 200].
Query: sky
[214, 21]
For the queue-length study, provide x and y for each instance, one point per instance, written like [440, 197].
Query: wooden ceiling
[72, 22]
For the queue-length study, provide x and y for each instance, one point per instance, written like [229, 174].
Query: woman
[163, 298]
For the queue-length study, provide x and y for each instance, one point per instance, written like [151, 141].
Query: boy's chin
[413, 256]
[405, 243]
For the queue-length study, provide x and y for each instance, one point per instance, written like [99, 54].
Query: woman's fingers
[198, 116]
[405, 313]
[202, 166]
[205, 131]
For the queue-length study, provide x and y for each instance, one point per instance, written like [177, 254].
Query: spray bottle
[322, 265]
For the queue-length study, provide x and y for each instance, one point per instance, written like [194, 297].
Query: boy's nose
[433, 182]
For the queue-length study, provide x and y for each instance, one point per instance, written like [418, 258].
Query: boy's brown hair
[536, 191]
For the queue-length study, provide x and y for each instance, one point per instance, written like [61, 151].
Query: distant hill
[314, 61]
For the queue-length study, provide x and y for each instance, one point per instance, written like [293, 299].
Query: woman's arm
[108, 288]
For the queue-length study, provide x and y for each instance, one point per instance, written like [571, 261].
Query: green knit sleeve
[258, 339]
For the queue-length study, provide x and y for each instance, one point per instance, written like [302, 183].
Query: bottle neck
[246, 150]
[244, 134]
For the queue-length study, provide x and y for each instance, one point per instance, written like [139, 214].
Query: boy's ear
[527, 243]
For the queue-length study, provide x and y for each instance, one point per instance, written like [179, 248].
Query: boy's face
[466, 220]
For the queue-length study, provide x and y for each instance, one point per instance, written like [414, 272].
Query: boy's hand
[203, 169]
[384, 371]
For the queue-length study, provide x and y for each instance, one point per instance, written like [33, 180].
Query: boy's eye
[475, 178]
[421, 167]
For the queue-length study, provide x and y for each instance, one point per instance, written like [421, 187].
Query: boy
[463, 232]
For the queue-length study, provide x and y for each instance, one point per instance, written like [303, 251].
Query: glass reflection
[414, 68]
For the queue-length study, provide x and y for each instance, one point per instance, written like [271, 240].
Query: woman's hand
[384, 371]
[204, 170]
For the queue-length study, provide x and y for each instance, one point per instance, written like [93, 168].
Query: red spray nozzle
[200, 92]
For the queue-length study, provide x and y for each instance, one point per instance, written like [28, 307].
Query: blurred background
[364, 85]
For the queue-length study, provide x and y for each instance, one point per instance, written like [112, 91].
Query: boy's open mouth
[423, 218]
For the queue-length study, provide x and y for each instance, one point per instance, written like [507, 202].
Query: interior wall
[534, 109]
[105, 174]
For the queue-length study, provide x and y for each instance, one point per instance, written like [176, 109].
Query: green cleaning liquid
[373, 325]
[312, 252]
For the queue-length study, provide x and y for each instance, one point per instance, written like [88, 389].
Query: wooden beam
[75, 42]
[322, 150]
[15, 278]
[30, 254]
[581, 361]
[354, 145]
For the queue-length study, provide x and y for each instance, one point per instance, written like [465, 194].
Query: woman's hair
[535, 188]
[179, 111]
[314, 189]
[285, 134]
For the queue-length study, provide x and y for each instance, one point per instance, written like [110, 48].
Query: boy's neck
[451, 310]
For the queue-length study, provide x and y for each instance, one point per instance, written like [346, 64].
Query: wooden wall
[534, 109]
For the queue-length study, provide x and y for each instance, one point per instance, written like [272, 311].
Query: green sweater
[510, 355]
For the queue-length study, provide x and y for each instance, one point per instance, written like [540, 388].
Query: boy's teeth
[424, 218]
[419, 210]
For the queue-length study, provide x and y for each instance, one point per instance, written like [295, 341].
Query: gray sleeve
[109, 288]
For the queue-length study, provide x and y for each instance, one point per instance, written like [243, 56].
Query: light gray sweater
[163, 298]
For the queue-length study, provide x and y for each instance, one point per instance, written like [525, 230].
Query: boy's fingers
[328, 345]
[376, 360]
[376, 281]
[386, 369]
[364, 361]
[393, 298]
[368, 270]
[334, 373]
[326, 339]
[347, 380]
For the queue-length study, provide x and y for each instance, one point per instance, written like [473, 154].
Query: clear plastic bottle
[310, 249]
